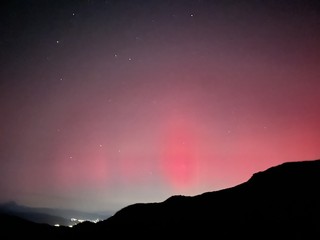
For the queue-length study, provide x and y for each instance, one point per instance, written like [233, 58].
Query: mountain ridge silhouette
[280, 202]
[282, 199]
[51, 216]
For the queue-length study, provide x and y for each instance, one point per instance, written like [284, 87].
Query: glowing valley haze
[108, 103]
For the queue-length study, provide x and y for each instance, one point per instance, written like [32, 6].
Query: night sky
[108, 103]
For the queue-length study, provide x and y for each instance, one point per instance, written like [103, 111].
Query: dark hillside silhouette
[283, 201]
[11, 208]
[51, 216]
[280, 202]
[13, 227]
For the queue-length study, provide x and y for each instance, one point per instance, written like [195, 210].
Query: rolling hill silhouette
[13, 209]
[280, 202]
[50, 216]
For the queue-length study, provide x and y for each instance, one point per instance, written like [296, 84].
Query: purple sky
[108, 103]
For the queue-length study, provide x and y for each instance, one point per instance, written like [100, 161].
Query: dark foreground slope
[13, 227]
[281, 202]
